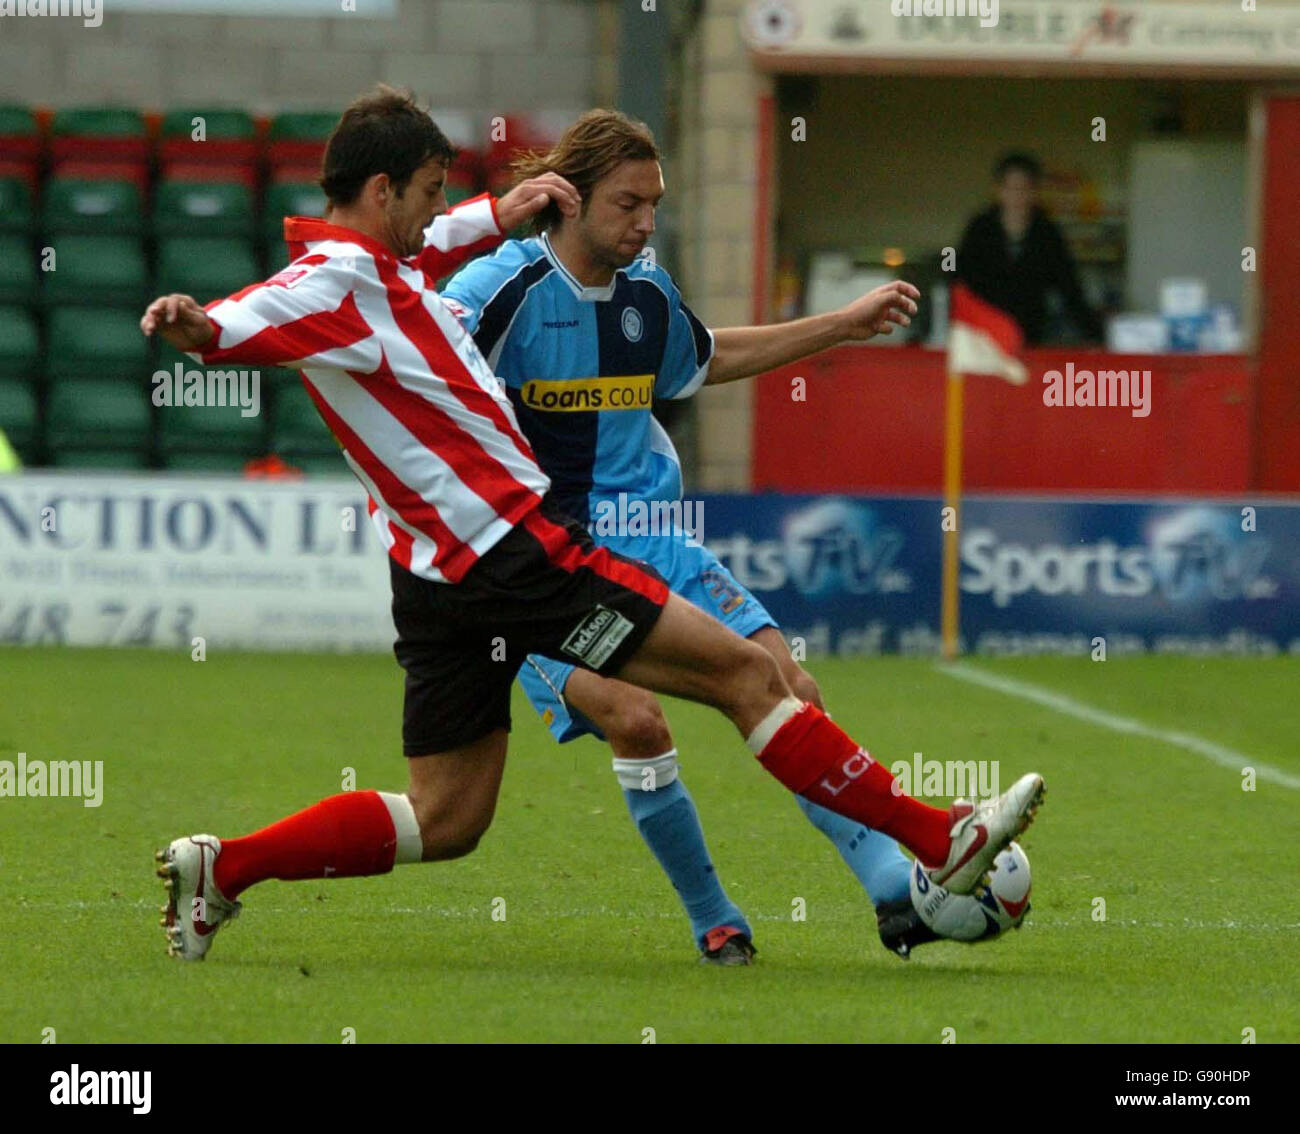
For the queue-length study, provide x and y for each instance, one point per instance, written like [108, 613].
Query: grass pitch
[1198, 876]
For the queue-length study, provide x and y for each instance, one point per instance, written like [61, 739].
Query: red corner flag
[984, 339]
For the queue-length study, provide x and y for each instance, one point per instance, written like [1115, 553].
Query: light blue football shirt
[583, 365]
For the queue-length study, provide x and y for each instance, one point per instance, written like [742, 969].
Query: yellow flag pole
[950, 617]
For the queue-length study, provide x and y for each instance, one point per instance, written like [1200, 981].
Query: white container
[1184, 298]
[1137, 334]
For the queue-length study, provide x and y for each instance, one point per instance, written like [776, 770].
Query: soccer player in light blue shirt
[586, 332]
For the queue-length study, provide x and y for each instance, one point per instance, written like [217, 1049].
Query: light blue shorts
[693, 572]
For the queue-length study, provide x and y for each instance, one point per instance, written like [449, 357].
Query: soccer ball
[1000, 905]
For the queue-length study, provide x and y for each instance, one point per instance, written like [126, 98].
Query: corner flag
[982, 339]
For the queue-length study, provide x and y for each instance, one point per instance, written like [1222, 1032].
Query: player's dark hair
[1018, 162]
[589, 151]
[383, 131]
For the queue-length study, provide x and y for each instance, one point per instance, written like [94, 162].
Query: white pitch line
[538, 913]
[1224, 757]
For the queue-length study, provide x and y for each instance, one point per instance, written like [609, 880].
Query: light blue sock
[668, 822]
[881, 867]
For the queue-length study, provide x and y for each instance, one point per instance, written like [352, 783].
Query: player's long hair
[589, 151]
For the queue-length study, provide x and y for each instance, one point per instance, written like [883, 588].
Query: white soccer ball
[1000, 905]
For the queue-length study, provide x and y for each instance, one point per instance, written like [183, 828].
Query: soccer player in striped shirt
[485, 568]
[585, 333]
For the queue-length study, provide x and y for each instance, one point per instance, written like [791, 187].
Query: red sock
[340, 837]
[815, 758]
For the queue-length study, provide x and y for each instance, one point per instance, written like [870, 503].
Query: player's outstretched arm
[742, 352]
[291, 320]
[179, 320]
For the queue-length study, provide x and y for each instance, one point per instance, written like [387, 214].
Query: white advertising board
[106, 560]
[800, 34]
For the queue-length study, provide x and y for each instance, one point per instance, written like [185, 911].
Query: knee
[441, 843]
[449, 833]
[804, 687]
[458, 848]
[757, 673]
[635, 726]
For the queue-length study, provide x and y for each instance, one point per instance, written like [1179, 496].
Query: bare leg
[630, 717]
[454, 795]
[689, 654]
[799, 679]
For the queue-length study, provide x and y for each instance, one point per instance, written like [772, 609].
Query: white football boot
[195, 907]
[980, 831]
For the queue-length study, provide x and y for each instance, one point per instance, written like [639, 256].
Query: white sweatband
[646, 775]
[410, 847]
[767, 728]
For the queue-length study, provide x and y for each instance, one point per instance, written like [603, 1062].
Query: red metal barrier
[873, 421]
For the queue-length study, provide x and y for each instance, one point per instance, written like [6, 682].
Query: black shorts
[545, 588]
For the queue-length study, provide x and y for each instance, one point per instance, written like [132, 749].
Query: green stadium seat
[462, 177]
[99, 122]
[96, 343]
[97, 270]
[109, 208]
[211, 428]
[218, 122]
[23, 171]
[231, 464]
[297, 430]
[105, 133]
[16, 211]
[456, 193]
[277, 256]
[321, 464]
[75, 169]
[20, 136]
[20, 346]
[303, 125]
[289, 199]
[19, 420]
[302, 173]
[210, 172]
[94, 414]
[297, 138]
[17, 271]
[277, 377]
[75, 457]
[229, 136]
[191, 208]
[205, 267]
[16, 119]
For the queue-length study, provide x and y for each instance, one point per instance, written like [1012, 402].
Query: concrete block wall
[717, 164]
[487, 56]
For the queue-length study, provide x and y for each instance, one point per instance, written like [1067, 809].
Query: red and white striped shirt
[423, 421]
